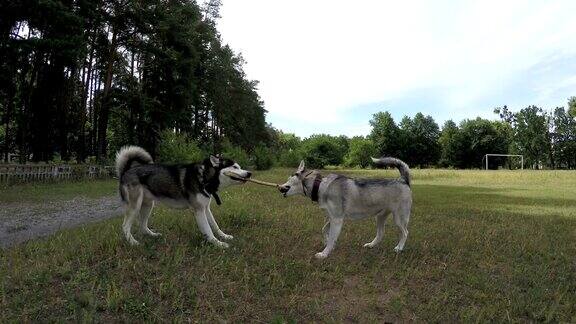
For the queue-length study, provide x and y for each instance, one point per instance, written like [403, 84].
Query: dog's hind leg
[145, 211]
[401, 218]
[333, 233]
[215, 226]
[201, 219]
[380, 222]
[135, 196]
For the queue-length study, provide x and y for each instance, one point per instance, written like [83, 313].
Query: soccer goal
[502, 155]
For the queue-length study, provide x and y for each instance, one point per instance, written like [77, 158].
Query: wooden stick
[254, 180]
[263, 182]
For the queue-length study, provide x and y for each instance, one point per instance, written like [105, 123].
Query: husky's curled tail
[390, 161]
[129, 155]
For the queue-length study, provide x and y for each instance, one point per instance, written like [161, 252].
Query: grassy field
[50, 191]
[483, 246]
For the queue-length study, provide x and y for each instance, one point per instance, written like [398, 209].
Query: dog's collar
[315, 186]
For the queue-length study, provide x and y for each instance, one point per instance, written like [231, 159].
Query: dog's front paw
[227, 237]
[154, 234]
[221, 244]
[369, 245]
[133, 242]
[321, 255]
[397, 249]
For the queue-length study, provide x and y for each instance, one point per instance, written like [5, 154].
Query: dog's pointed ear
[214, 160]
[301, 167]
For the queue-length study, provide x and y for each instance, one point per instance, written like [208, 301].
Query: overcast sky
[327, 66]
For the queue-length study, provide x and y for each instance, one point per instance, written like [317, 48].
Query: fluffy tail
[402, 167]
[128, 155]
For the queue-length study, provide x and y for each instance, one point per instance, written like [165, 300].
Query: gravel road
[20, 222]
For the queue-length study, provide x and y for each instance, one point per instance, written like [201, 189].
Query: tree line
[546, 139]
[80, 78]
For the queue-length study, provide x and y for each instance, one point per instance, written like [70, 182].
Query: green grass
[483, 246]
[64, 190]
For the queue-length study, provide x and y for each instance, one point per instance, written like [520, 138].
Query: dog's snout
[248, 174]
[284, 189]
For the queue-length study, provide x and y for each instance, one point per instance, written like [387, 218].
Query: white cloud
[320, 59]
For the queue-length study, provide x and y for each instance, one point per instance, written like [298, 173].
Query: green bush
[56, 159]
[178, 148]
[262, 158]
[235, 153]
[290, 158]
[322, 150]
[360, 152]
[79, 171]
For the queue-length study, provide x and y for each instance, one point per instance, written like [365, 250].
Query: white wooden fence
[15, 173]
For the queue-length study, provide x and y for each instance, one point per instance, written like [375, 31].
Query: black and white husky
[179, 186]
[348, 198]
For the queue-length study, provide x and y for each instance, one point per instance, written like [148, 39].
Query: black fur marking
[144, 179]
[128, 164]
[122, 196]
[157, 179]
[225, 163]
[174, 171]
[211, 178]
[217, 198]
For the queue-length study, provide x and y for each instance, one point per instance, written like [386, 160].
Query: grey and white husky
[348, 198]
[179, 186]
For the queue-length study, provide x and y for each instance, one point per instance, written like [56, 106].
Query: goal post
[486, 156]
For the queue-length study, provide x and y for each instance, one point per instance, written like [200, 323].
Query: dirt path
[20, 222]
